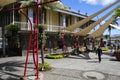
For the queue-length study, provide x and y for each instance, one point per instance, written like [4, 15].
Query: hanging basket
[46, 49]
[55, 48]
[46, 46]
[72, 46]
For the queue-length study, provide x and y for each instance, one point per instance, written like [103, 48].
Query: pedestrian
[99, 53]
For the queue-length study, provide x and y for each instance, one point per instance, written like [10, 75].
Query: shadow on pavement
[80, 56]
[93, 61]
[10, 77]
[9, 66]
[11, 70]
[114, 60]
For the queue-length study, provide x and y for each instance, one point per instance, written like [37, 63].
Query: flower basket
[104, 49]
[55, 56]
[72, 46]
[46, 49]
[55, 48]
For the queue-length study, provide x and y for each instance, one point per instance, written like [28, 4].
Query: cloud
[98, 2]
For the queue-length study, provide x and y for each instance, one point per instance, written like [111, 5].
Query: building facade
[56, 18]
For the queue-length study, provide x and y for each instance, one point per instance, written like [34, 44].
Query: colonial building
[57, 17]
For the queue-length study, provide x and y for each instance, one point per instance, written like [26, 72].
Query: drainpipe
[75, 20]
[30, 15]
[13, 16]
[64, 20]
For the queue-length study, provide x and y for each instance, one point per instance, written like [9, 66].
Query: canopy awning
[82, 22]
[6, 2]
[86, 30]
[101, 30]
[117, 27]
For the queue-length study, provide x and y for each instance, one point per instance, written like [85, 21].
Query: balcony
[51, 28]
[23, 25]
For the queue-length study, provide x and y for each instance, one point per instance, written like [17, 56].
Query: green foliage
[58, 31]
[56, 5]
[117, 51]
[44, 26]
[12, 27]
[41, 37]
[27, 3]
[82, 50]
[117, 13]
[41, 34]
[45, 66]
[116, 16]
[117, 54]
[104, 48]
[12, 37]
[55, 56]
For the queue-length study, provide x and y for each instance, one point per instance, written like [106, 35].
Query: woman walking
[99, 53]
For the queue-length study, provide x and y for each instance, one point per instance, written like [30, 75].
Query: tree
[13, 39]
[41, 39]
[109, 30]
[116, 16]
[55, 5]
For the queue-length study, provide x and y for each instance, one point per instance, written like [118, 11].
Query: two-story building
[57, 17]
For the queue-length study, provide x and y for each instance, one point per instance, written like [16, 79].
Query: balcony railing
[23, 25]
[51, 28]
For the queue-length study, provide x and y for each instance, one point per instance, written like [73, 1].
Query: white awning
[117, 27]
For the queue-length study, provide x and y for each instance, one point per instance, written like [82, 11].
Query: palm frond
[117, 13]
[27, 3]
[116, 16]
[56, 5]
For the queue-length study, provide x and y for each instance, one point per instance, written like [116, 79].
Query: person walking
[99, 53]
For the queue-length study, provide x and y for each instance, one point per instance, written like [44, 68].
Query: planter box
[117, 56]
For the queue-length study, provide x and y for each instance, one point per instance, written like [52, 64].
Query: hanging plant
[46, 46]
[27, 3]
[12, 27]
[12, 37]
[59, 32]
[41, 27]
[44, 26]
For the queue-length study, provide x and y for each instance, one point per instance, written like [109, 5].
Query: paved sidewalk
[82, 67]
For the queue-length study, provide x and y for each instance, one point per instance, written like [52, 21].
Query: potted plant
[117, 54]
[13, 39]
[12, 28]
[41, 27]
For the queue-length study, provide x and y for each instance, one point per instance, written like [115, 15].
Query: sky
[90, 7]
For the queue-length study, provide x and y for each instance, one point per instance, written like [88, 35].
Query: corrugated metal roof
[71, 13]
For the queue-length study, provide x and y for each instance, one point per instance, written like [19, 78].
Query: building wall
[54, 18]
[23, 18]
